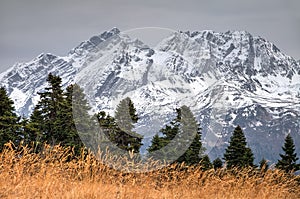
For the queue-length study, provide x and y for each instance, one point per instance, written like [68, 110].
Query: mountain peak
[107, 34]
[115, 30]
[233, 76]
[89, 45]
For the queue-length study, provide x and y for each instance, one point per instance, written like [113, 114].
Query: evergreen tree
[60, 116]
[108, 131]
[217, 164]
[33, 132]
[169, 132]
[47, 115]
[132, 110]
[249, 158]
[205, 163]
[179, 133]
[237, 153]
[126, 115]
[156, 143]
[75, 112]
[288, 161]
[119, 130]
[190, 130]
[29, 131]
[9, 121]
[52, 120]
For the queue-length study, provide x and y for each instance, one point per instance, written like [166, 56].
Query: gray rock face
[227, 79]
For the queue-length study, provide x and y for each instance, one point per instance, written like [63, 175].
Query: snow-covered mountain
[227, 79]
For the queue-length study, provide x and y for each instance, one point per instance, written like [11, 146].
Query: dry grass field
[52, 174]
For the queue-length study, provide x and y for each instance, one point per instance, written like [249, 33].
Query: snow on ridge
[197, 64]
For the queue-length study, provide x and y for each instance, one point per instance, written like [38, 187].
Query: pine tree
[60, 116]
[126, 115]
[217, 163]
[9, 121]
[47, 114]
[108, 132]
[75, 113]
[237, 153]
[158, 149]
[190, 130]
[29, 131]
[120, 129]
[288, 161]
[169, 133]
[249, 158]
[156, 143]
[205, 163]
[132, 110]
[33, 132]
[48, 118]
[183, 131]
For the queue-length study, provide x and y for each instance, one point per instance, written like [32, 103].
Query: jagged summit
[226, 78]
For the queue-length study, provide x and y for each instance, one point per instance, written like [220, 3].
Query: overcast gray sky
[30, 27]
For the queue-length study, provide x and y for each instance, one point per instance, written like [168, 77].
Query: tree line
[52, 121]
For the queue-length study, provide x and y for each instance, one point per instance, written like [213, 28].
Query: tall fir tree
[119, 129]
[30, 132]
[9, 121]
[237, 153]
[48, 113]
[182, 131]
[192, 134]
[288, 161]
[76, 116]
[126, 115]
[158, 144]
[52, 120]
[34, 135]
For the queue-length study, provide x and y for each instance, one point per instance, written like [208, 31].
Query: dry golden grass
[51, 174]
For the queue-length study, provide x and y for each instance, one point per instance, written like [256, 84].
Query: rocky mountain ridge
[226, 78]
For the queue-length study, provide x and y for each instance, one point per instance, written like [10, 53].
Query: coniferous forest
[53, 142]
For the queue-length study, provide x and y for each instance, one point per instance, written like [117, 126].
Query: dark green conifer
[192, 135]
[47, 115]
[237, 153]
[205, 163]
[217, 163]
[288, 161]
[10, 128]
[76, 117]
[183, 131]
[156, 143]
[119, 130]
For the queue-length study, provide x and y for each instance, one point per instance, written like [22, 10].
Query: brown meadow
[53, 174]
